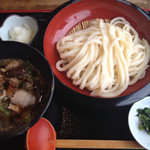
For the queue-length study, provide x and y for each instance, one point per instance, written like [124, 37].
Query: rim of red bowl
[79, 11]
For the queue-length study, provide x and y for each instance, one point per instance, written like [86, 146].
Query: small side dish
[19, 28]
[136, 113]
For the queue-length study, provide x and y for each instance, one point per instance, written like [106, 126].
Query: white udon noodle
[104, 58]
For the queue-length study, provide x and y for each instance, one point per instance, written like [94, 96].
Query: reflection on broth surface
[21, 87]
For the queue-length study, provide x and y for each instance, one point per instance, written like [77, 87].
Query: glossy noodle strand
[104, 58]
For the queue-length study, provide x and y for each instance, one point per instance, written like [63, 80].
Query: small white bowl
[17, 21]
[141, 136]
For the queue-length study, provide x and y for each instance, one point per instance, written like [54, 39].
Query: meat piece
[14, 107]
[10, 92]
[18, 72]
[23, 98]
[10, 64]
[15, 81]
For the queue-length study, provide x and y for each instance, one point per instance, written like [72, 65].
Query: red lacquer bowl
[77, 12]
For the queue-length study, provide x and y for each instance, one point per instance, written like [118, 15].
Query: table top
[51, 4]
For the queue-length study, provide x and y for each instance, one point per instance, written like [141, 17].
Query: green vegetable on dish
[144, 116]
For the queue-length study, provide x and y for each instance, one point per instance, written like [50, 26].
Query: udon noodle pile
[104, 58]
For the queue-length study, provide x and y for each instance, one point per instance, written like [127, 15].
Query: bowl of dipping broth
[26, 87]
[99, 52]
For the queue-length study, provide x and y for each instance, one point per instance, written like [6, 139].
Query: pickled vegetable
[144, 116]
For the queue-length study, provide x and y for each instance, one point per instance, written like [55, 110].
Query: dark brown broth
[18, 74]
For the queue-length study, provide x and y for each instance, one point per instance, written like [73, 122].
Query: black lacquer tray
[70, 123]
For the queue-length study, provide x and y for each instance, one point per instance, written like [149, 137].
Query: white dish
[140, 136]
[16, 20]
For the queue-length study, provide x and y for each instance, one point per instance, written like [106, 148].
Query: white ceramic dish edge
[140, 135]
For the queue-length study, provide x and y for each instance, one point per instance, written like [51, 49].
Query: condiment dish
[19, 28]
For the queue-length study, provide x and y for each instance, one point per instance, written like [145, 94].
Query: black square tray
[67, 123]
